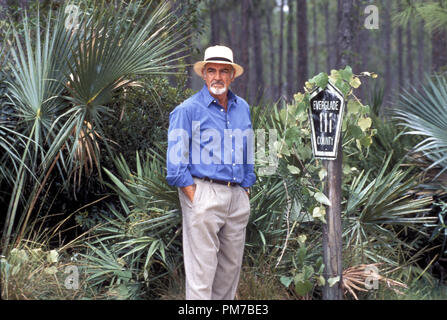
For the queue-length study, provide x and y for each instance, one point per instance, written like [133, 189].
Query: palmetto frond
[116, 46]
[63, 79]
[374, 207]
[35, 87]
[360, 277]
[424, 113]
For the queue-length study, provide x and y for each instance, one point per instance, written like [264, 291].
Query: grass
[37, 274]
[258, 284]
[33, 273]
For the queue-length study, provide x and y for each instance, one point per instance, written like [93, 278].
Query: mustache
[217, 82]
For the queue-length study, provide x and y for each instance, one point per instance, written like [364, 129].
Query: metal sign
[326, 115]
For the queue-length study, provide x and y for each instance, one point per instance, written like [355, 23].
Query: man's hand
[189, 191]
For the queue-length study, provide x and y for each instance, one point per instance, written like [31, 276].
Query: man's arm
[177, 157]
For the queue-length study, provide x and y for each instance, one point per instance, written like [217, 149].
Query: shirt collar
[208, 98]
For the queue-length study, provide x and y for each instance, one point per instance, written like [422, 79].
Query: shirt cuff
[248, 181]
[183, 180]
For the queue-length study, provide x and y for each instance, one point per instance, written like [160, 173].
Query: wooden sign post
[326, 117]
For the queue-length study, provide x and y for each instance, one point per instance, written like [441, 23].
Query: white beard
[217, 91]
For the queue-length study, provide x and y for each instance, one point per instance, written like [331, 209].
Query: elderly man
[210, 160]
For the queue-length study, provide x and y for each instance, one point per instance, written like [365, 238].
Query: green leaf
[356, 132]
[304, 152]
[298, 97]
[343, 86]
[355, 82]
[335, 76]
[319, 213]
[286, 281]
[292, 135]
[302, 287]
[293, 169]
[320, 265]
[322, 174]
[346, 74]
[332, 281]
[320, 80]
[53, 256]
[301, 255]
[353, 106]
[321, 198]
[308, 272]
[364, 123]
[366, 141]
[50, 270]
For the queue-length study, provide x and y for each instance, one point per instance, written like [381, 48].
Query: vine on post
[295, 147]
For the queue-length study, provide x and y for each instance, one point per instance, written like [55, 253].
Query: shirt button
[234, 178]
[234, 164]
[221, 109]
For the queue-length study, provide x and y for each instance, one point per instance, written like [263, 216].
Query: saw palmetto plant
[374, 208]
[62, 80]
[423, 112]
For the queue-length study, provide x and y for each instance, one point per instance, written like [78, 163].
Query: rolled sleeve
[250, 176]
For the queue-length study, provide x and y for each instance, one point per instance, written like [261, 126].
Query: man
[210, 160]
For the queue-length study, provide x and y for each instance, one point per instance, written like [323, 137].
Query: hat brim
[198, 67]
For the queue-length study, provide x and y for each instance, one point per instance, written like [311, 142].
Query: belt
[226, 183]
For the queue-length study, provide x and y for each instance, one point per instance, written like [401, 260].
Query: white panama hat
[218, 54]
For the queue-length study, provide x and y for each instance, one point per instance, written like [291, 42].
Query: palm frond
[423, 112]
[373, 207]
[116, 46]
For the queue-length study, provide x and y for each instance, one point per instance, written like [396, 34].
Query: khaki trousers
[213, 239]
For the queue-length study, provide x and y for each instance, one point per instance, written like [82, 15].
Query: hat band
[219, 59]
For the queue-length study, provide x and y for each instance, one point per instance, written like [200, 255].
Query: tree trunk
[400, 53]
[421, 50]
[245, 78]
[301, 18]
[388, 74]
[228, 37]
[361, 46]
[24, 4]
[439, 49]
[329, 43]
[315, 36]
[215, 23]
[272, 57]
[281, 38]
[258, 62]
[290, 65]
[3, 9]
[409, 65]
[337, 27]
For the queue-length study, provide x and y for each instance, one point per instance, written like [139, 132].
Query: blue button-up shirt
[204, 140]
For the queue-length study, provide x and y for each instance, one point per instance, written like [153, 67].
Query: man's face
[218, 77]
